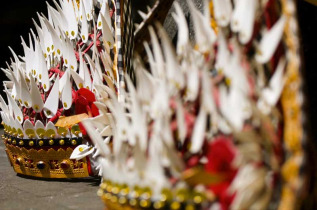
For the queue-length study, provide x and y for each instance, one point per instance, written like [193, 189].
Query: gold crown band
[48, 163]
[117, 196]
[35, 143]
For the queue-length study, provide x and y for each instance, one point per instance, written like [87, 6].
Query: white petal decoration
[51, 126]
[81, 151]
[70, 15]
[243, 19]
[67, 92]
[43, 72]
[107, 131]
[199, 131]
[270, 41]
[157, 52]
[57, 45]
[3, 105]
[176, 80]
[84, 24]
[104, 11]
[98, 141]
[88, 4]
[16, 109]
[223, 10]
[39, 124]
[204, 34]
[78, 80]
[62, 82]
[271, 94]
[25, 93]
[48, 42]
[16, 88]
[183, 33]
[106, 32]
[52, 101]
[87, 78]
[37, 101]
[27, 125]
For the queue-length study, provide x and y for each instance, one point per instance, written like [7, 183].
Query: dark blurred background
[15, 21]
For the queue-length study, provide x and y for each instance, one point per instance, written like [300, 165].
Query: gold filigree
[25, 162]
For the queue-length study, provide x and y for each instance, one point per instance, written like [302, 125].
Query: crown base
[46, 163]
[116, 196]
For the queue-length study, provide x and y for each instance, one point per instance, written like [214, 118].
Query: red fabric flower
[220, 155]
[84, 103]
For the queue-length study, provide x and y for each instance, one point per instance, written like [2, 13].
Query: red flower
[220, 155]
[84, 103]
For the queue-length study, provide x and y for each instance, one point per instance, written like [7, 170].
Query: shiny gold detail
[65, 104]
[48, 49]
[61, 142]
[66, 33]
[198, 199]
[292, 109]
[40, 76]
[73, 33]
[26, 103]
[41, 143]
[67, 122]
[58, 51]
[62, 131]
[14, 132]
[194, 176]
[158, 205]
[40, 132]
[133, 202]
[123, 200]
[48, 112]
[81, 149]
[99, 23]
[114, 199]
[66, 61]
[83, 36]
[14, 142]
[175, 205]
[44, 86]
[31, 143]
[19, 118]
[21, 143]
[81, 85]
[19, 160]
[72, 67]
[36, 107]
[30, 133]
[50, 133]
[74, 142]
[51, 142]
[145, 203]
[190, 207]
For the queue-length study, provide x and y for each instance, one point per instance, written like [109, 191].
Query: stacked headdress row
[52, 87]
[214, 123]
